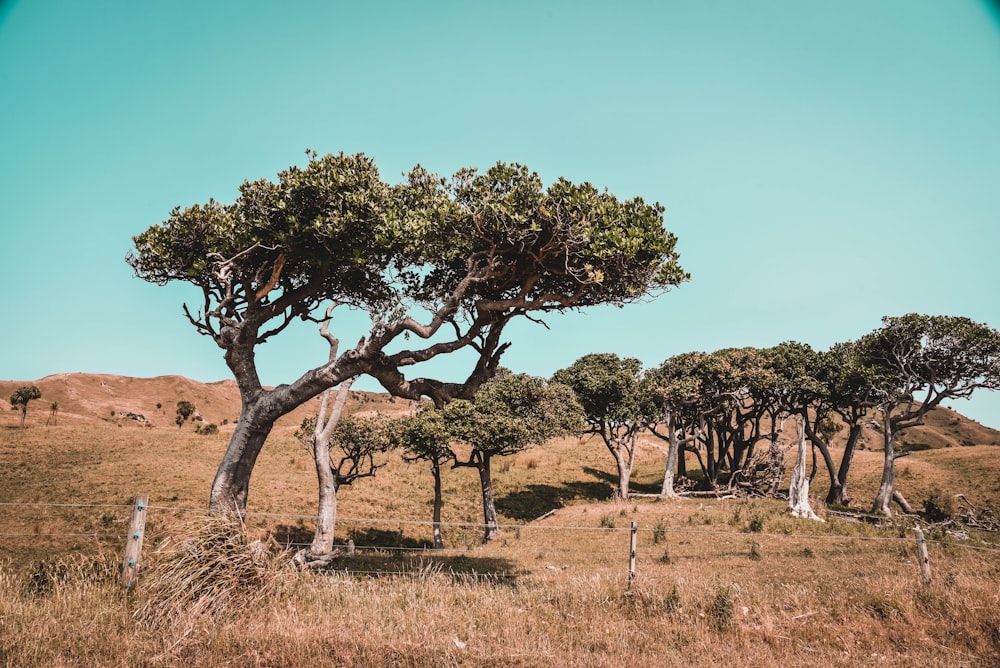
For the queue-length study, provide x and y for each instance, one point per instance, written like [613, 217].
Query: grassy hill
[92, 398]
[717, 580]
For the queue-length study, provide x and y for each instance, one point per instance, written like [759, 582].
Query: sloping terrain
[83, 398]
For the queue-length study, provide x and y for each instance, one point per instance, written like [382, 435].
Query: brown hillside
[101, 397]
[133, 401]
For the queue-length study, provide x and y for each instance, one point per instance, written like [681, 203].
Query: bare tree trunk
[798, 492]
[712, 469]
[326, 512]
[668, 476]
[438, 539]
[489, 509]
[883, 499]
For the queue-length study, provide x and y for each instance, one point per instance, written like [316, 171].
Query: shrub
[722, 609]
[659, 531]
[939, 506]
[76, 570]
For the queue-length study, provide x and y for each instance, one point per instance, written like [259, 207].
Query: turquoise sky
[822, 163]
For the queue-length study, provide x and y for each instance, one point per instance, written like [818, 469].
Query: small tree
[614, 406]
[508, 415]
[53, 411]
[348, 452]
[185, 409]
[425, 437]
[20, 398]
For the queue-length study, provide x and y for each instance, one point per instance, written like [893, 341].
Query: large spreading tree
[921, 361]
[443, 262]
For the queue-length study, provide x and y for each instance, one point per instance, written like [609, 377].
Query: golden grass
[733, 582]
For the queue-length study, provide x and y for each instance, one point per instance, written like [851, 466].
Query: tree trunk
[623, 474]
[326, 513]
[24, 414]
[489, 509]
[884, 497]
[438, 540]
[232, 480]
[326, 477]
[838, 492]
[712, 469]
[798, 492]
[668, 476]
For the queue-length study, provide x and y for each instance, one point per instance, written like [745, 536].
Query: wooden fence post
[922, 558]
[631, 553]
[133, 542]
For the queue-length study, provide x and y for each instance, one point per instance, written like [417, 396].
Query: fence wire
[562, 552]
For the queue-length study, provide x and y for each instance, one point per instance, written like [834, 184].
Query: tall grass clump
[722, 607]
[74, 570]
[209, 568]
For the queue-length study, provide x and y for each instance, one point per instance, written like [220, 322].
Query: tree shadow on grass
[425, 564]
[385, 553]
[633, 485]
[537, 500]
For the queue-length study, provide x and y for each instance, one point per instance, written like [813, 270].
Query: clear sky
[822, 163]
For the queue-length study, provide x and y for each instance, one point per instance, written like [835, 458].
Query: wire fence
[384, 548]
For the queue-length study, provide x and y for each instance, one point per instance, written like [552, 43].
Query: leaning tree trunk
[838, 491]
[231, 486]
[438, 540]
[798, 492]
[492, 526]
[884, 497]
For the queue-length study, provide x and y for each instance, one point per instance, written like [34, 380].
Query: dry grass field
[734, 582]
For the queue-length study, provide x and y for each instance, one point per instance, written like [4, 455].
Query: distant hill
[152, 402]
[86, 397]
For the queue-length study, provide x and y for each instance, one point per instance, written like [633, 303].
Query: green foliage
[607, 388]
[206, 430]
[513, 412]
[355, 444]
[722, 607]
[184, 410]
[22, 395]
[423, 435]
[942, 356]
[334, 231]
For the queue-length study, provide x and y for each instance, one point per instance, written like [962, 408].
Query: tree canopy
[21, 396]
